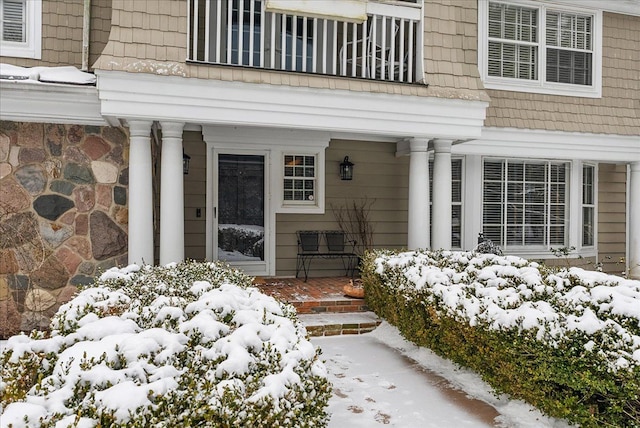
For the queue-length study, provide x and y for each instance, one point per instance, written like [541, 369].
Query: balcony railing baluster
[244, 33]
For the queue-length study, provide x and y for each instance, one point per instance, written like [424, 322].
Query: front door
[239, 211]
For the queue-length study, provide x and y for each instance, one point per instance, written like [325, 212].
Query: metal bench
[336, 246]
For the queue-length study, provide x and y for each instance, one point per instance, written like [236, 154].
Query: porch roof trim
[213, 102]
[24, 101]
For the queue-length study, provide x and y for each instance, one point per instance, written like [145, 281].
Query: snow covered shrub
[566, 341]
[191, 344]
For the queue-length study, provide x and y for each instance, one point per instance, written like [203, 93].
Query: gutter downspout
[86, 27]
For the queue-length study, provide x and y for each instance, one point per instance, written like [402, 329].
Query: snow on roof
[65, 74]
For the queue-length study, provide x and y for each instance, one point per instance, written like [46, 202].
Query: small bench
[310, 247]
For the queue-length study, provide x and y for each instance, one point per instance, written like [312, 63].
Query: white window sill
[14, 50]
[517, 85]
[533, 255]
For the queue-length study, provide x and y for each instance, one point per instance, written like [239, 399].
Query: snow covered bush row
[184, 345]
[510, 293]
[566, 340]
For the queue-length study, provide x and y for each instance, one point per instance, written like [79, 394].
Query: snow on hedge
[594, 310]
[184, 344]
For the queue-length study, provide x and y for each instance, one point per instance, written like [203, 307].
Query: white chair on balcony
[363, 59]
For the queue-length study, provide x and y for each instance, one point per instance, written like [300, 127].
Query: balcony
[382, 43]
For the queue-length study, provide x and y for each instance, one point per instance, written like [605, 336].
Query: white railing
[386, 46]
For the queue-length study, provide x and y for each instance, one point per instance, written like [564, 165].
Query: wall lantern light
[346, 169]
[185, 162]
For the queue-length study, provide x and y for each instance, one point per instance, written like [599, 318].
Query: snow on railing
[385, 46]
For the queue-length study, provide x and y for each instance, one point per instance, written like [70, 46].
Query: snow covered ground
[380, 378]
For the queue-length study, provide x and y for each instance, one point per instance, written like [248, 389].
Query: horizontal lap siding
[378, 175]
[612, 185]
[195, 190]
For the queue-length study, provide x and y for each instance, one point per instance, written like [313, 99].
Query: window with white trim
[456, 201]
[21, 28]
[588, 205]
[299, 179]
[525, 203]
[536, 47]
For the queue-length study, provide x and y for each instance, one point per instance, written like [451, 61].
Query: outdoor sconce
[346, 169]
[185, 163]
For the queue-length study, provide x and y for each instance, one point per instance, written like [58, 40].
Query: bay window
[524, 203]
[588, 205]
[456, 200]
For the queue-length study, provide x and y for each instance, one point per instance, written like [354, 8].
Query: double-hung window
[21, 28]
[536, 47]
[299, 179]
[525, 202]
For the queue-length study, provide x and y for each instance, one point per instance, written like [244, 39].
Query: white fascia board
[259, 137]
[214, 102]
[50, 103]
[528, 143]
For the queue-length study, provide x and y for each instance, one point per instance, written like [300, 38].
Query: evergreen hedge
[192, 344]
[591, 379]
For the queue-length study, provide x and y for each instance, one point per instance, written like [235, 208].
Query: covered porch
[221, 122]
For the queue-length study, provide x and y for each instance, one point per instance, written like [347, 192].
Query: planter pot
[354, 289]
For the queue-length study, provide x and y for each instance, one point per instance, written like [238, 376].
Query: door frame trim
[250, 267]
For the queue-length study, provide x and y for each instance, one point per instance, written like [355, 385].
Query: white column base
[171, 194]
[418, 228]
[140, 239]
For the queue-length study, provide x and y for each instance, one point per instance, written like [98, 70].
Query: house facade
[518, 120]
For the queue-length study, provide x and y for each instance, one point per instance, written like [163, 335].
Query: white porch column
[171, 194]
[140, 193]
[418, 228]
[441, 198]
[634, 220]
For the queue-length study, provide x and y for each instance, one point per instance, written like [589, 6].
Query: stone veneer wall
[63, 215]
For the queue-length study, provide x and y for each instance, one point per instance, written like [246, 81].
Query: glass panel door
[241, 209]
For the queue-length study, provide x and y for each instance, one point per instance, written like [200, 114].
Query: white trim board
[49, 103]
[512, 142]
[214, 102]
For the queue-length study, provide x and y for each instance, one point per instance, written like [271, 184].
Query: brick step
[333, 324]
[339, 305]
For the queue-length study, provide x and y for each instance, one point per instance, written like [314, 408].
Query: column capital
[140, 128]
[419, 144]
[172, 129]
[441, 145]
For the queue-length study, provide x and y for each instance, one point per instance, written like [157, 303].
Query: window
[540, 48]
[21, 28]
[456, 201]
[524, 203]
[299, 179]
[588, 205]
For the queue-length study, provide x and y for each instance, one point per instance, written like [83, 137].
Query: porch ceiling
[212, 102]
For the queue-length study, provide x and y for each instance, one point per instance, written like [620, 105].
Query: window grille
[299, 178]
